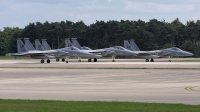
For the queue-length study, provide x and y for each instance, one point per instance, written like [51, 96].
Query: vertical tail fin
[127, 45]
[28, 44]
[21, 47]
[133, 45]
[45, 45]
[68, 43]
[75, 43]
[38, 45]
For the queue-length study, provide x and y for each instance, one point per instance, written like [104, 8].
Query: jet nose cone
[191, 54]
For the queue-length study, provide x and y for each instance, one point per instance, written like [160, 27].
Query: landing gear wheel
[42, 61]
[169, 58]
[152, 60]
[79, 59]
[48, 61]
[95, 59]
[113, 58]
[147, 60]
[63, 59]
[57, 59]
[66, 61]
[89, 60]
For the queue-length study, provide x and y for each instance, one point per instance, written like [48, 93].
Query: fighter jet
[141, 54]
[111, 51]
[174, 51]
[72, 51]
[23, 51]
[101, 52]
[54, 53]
[59, 54]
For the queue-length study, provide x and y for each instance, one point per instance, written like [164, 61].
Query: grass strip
[91, 106]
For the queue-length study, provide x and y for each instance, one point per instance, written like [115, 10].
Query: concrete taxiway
[22, 79]
[102, 63]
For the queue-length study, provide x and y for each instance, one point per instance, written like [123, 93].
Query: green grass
[93, 106]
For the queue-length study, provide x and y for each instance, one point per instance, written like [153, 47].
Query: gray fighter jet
[23, 51]
[46, 47]
[174, 51]
[141, 54]
[54, 53]
[102, 52]
[72, 51]
[112, 51]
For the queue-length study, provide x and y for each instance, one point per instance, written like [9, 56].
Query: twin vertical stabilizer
[21, 47]
[38, 45]
[132, 46]
[68, 43]
[28, 44]
[75, 43]
[45, 45]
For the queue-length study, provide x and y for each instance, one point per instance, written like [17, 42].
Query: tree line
[149, 35]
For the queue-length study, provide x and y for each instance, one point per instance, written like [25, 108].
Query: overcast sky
[18, 13]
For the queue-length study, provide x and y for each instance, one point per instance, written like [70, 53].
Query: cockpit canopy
[175, 48]
[119, 47]
[85, 48]
[72, 48]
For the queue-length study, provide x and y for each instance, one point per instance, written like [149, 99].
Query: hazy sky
[18, 13]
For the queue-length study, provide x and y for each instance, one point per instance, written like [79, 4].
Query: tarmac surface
[123, 80]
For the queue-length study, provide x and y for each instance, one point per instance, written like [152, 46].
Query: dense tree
[149, 35]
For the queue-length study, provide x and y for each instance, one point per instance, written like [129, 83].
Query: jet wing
[146, 54]
[56, 51]
[18, 54]
[100, 51]
[36, 52]
[160, 53]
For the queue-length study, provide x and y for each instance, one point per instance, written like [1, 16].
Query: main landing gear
[90, 60]
[48, 61]
[42, 61]
[63, 59]
[95, 59]
[57, 59]
[152, 60]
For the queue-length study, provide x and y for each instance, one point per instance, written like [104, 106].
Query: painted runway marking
[190, 88]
